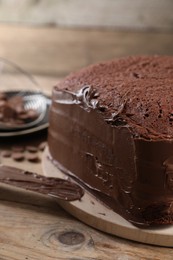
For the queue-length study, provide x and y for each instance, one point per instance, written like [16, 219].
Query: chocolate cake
[111, 128]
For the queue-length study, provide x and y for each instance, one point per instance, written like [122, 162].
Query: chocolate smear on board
[54, 187]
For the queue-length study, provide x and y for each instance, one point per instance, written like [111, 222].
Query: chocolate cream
[130, 174]
[54, 187]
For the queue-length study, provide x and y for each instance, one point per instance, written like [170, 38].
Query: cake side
[89, 149]
[128, 174]
[120, 156]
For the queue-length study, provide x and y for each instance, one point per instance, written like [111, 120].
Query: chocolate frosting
[128, 164]
[140, 87]
[54, 187]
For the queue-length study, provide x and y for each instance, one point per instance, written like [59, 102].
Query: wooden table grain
[34, 227]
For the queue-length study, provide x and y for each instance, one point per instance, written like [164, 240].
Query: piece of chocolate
[42, 146]
[5, 153]
[8, 113]
[18, 156]
[31, 149]
[2, 103]
[32, 114]
[3, 96]
[13, 112]
[18, 148]
[123, 154]
[33, 157]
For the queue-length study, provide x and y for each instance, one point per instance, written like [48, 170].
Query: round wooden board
[92, 212]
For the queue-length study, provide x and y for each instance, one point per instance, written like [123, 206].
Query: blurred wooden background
[57, 51]
[53, 38]
[130, 14]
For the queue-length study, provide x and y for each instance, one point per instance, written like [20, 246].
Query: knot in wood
[71, 238]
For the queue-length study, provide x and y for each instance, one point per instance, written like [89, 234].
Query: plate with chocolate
[23, 112]
[23, 107]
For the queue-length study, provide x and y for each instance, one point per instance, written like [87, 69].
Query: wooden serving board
[92, 212]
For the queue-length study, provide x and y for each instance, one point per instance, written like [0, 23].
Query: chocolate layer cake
[111, 128]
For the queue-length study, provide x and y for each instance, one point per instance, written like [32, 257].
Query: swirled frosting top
[136, 91]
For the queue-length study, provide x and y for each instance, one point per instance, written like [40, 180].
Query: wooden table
[33, 226]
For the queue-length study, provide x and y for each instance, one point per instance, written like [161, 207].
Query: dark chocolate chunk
[33, 157]
[31, 149]
[18, 156]
[18, 148]
[13, 112]
[6, 153]
[3, 96]
[42, 146]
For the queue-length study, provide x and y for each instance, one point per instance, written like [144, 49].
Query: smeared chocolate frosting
[54, 187]
[139, 86]
[116, 136]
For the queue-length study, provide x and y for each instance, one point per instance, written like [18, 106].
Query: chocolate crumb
[102, 213]
[42, 146]
[17, 156]
[33, 158]
[32, 114]
[2, 103]
[31, 149]
[18, 148]
[6, 153]
[13, 110]
[3, 96]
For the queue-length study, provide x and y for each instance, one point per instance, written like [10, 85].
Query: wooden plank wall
[124, 14]
[57, 51]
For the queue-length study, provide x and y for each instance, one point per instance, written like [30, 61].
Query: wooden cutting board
[92, 212]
